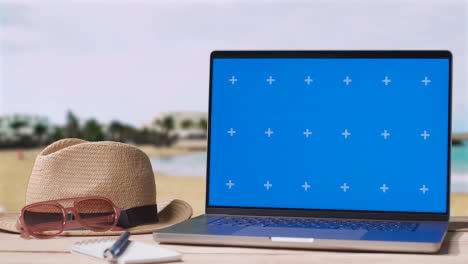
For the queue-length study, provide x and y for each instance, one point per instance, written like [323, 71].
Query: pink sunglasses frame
[26, 231]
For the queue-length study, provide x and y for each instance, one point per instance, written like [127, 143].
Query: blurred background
[138, 72]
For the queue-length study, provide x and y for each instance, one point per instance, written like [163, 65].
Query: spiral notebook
[135, 252]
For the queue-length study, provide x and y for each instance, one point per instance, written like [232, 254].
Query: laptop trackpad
[300, 232]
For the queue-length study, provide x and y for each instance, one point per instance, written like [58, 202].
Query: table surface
[14, 249]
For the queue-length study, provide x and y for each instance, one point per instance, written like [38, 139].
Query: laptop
[339, 150]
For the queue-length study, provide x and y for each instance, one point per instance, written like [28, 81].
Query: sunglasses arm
[23, 232]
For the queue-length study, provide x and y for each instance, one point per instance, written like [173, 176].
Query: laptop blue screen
[337, 134]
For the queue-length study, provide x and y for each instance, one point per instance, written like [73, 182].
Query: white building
[7, 133]
[195, 131]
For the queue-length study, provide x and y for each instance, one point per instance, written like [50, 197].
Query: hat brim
[170, 213]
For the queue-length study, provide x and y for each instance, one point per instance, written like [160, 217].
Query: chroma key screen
[330, 133]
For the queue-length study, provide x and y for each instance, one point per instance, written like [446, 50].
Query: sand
[14, 175]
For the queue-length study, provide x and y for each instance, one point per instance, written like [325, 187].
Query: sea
[183, 165]
[195, 165]
[460, 168]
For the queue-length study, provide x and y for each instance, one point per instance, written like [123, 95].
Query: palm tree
[2, 133]
[39, 130]
[92, 131]
[116, 131]
[72, 127]
[16, 125]
[187, 124]
[129, 133]
[57, 133]
[203, 124]
[166, 124]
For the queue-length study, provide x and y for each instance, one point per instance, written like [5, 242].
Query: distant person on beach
[19, 154]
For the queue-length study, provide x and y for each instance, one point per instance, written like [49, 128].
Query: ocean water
[195, 165]
[184, 165]
[460, 168]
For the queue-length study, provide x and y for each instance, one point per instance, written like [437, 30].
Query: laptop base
[427, 238]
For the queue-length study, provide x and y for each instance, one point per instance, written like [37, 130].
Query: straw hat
[122, 173]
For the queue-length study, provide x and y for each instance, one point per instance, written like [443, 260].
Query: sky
[130, 60]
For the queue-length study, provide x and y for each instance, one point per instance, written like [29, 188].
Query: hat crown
[77, 168]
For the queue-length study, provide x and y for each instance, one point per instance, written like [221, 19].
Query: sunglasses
[49, 219]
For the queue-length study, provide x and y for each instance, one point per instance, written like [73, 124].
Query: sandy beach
[14, 175]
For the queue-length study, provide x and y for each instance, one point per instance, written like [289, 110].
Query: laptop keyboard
[370, 225]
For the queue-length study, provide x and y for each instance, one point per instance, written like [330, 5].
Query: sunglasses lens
[96, 214]
[44, 220]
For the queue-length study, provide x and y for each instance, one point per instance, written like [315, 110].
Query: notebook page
[135, 252]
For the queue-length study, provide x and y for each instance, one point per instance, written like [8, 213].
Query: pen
[118, 247]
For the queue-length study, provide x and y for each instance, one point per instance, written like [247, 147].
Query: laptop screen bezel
[329, 213]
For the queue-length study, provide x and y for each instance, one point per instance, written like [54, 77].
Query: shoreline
[181, 148]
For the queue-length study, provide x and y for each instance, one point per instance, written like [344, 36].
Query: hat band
[138, 216]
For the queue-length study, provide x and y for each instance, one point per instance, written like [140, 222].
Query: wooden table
[14, 249]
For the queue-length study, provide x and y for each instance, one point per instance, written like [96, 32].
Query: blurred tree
[72, 127]
[187, 124]
[129, 134]
[92, 131]
[116, 131]
[39, 131]
[57, 134]
[167, 125]
[16, 125]
[147, 136]
[203, 124]
[143, 136]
